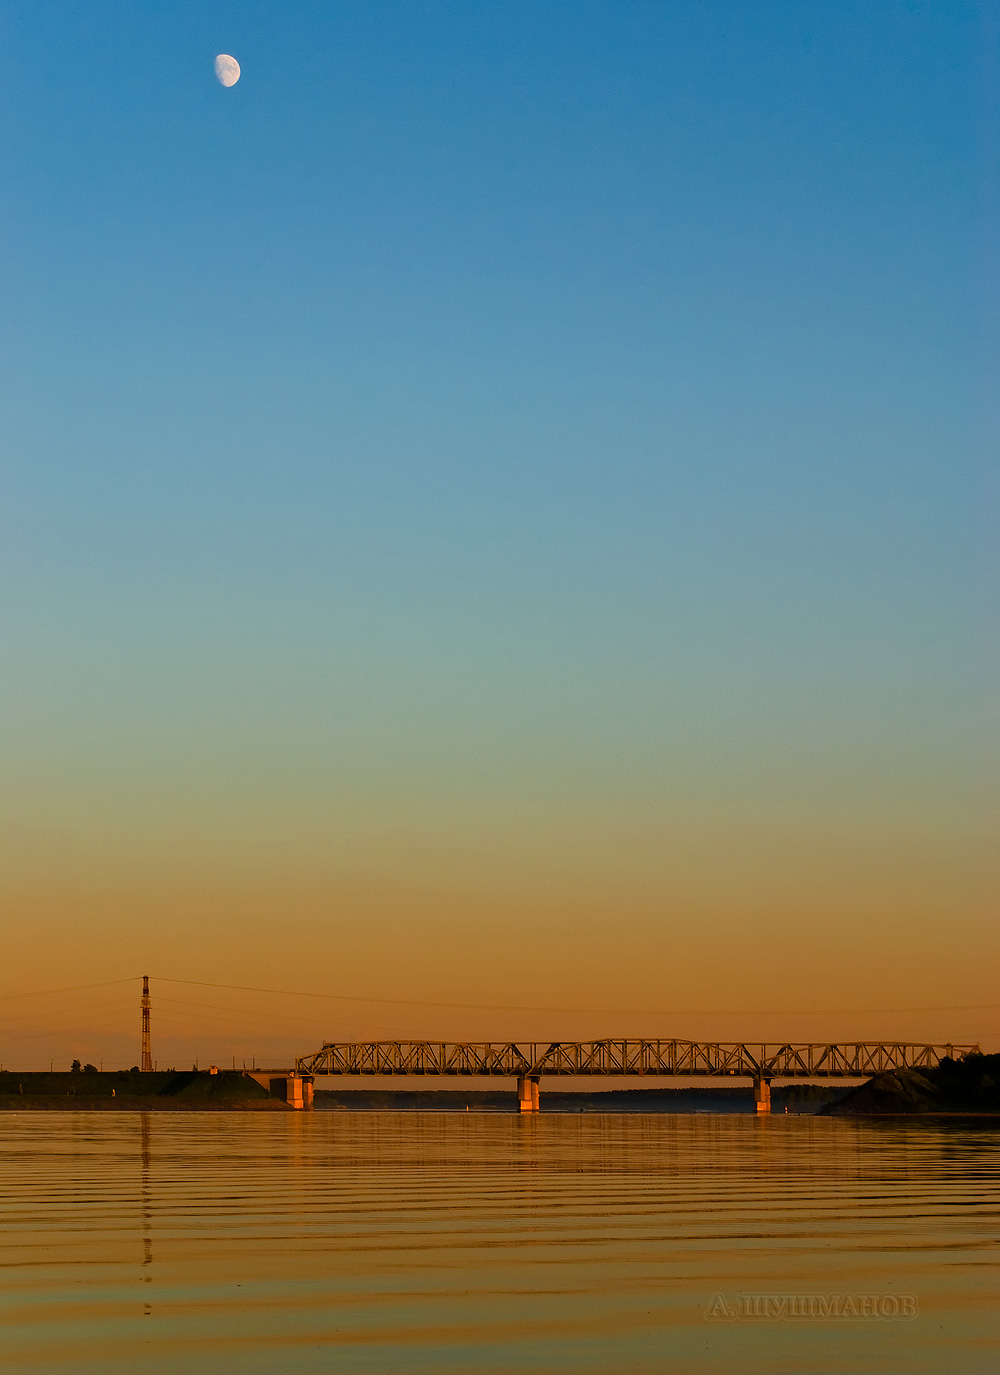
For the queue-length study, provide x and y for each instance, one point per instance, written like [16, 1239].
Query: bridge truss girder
[625, 1058]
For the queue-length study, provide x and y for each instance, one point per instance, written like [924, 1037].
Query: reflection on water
[145, 1159]
[422, 1242]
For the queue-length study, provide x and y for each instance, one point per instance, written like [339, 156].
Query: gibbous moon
[227, 69]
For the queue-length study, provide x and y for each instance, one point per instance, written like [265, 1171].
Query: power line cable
[525, 1007]
[595, 1011]
[76, 988]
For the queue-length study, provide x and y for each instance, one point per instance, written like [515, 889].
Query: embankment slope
[970, 1085]
[123, 1090]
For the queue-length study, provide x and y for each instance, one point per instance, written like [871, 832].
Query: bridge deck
[710, 1059]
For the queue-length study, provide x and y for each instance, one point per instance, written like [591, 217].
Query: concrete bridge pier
[287, 1084]
[527, 1093]
[762, 1093]
[299, 1091]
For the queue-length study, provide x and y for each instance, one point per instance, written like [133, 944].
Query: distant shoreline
[966, 1089]
[235, 1090]
[797, 1098]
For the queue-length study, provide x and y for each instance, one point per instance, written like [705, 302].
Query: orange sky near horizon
[630, 919]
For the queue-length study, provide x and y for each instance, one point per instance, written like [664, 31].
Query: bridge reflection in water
[527, 1062]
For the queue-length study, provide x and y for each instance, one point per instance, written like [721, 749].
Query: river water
[397, 1242]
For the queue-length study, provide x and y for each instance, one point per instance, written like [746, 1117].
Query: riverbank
[954, 1088]
[132, 1091]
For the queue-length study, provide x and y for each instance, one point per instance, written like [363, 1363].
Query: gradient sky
[498, 507]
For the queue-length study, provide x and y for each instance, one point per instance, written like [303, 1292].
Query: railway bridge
[527, 1062]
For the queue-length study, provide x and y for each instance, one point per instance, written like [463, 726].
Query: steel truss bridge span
[709, 1059]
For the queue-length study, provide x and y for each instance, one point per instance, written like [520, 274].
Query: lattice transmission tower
[147, 1052]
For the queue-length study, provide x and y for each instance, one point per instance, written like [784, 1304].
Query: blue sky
[490, 408]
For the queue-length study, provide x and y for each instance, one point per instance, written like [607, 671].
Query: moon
[227, 69]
